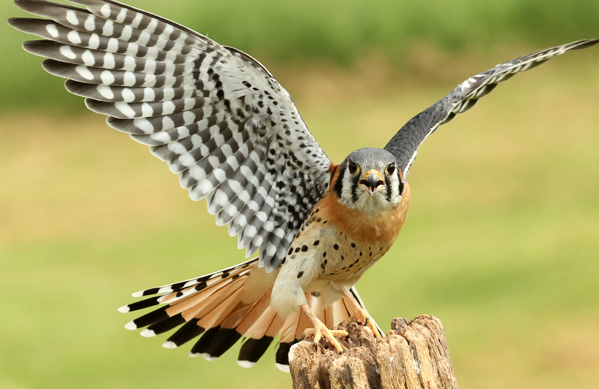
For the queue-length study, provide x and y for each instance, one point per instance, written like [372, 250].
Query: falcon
[234, 136]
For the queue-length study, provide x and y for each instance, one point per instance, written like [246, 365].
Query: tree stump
[413, 355]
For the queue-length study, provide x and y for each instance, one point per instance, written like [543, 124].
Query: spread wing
[405, 143]
[218, 118]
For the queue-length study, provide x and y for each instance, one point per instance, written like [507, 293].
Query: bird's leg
[320, 329]
[362, 316]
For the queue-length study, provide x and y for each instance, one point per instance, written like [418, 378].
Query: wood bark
[413, 355]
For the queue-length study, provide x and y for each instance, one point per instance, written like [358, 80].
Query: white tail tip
[147, 333]
[124, 309]
[169, 344]
[131, 326]
[246, 364]
[282, 367]
[138, 294]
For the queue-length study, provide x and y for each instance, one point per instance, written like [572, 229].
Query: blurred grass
[500, 242]
[332, 32]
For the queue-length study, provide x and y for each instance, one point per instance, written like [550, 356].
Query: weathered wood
[413, 355]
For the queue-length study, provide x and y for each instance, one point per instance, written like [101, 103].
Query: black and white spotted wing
[405, 143]
[214, 114]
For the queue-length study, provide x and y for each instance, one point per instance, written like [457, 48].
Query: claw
[361, 316]
[321, 330]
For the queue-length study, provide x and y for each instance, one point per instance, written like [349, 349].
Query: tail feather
[187, 332]
[223, 307]
[224, 339]
[163, 326]
[177, 286]
[180, 290]
[263, 331]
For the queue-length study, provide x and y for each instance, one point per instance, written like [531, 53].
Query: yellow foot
[320, 330]
[362, 317]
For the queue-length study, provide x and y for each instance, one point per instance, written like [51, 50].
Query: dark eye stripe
[389, 189]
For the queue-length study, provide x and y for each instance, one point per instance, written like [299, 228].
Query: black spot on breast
[300, 274]
[336, 246]
[290, 251]
[324, 254]
[353, 245]
[297, 249]
[304, 248]
[316, 242]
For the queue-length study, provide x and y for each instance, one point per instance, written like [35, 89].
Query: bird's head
[369, 180]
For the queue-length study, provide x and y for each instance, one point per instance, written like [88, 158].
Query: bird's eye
[390, 168]
[353, 168]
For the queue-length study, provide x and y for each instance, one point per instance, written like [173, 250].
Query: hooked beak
[372, 181]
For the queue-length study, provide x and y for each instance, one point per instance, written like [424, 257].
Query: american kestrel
[234, 136]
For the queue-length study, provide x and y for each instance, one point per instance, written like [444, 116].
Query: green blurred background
[501, 242]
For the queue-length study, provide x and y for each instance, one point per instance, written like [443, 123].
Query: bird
[235, 138]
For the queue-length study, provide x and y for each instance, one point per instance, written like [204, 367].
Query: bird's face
[369, 181]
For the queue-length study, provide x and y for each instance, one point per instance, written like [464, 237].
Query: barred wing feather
[213, 113]
[405, 143]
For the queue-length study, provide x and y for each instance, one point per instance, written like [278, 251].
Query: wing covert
[218, 118]
[405, 143]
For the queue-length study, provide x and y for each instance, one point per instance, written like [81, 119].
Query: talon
[322, 331]
[361, 316]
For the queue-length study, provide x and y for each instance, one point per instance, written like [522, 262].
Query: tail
[225, 306]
